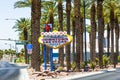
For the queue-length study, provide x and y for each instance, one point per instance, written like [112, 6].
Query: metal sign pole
[29, 48]
[51, 54]
[45, 61]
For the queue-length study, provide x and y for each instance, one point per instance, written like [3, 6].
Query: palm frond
[21, 4]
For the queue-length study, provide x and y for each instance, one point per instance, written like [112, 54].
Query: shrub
[118, 58]
[82, 65]
[60, 69]
[97, 61]
[106, 60]
[73, 66]
[92, 65]
[20, 60]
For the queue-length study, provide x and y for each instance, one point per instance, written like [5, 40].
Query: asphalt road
[10, 71]
[110, 76]
[105, 76]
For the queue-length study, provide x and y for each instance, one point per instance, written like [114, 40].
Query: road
[105, 76]
[10, 71]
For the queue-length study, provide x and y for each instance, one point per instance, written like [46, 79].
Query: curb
[89, 75]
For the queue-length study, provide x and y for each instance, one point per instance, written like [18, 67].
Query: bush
[82, 65]
[20, 60]
[106, 60]
[60, 69]
[118, 58]
[73, 65]
[92, 65]
[97, 61]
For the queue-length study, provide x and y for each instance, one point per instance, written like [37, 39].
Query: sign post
[48, 28]
[29, 50]
[51, 53]
[55, 39]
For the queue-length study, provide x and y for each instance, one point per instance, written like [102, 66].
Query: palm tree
[112, 32]
[77, 30]
[23, 26]
[100, 30]
[68, 52]
[60, 16]
[49, 8]
[112, 9]
[35, 31]
[117, 12]
[93, 33]
[107, 22]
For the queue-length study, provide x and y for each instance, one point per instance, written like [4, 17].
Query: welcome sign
[55, 39]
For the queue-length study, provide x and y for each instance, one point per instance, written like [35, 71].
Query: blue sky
[7, 11]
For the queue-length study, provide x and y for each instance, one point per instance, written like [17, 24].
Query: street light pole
[85, 68]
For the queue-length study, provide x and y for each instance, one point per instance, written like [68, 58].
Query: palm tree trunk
[100, 31]
[25, 38]
[93, 34]
[35, 31]
[60, 15]
[117, 39]
[81, 40]
[68, 52]
[77, 32]
[112, 35]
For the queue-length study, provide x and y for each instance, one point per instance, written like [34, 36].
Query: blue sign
[29, 46]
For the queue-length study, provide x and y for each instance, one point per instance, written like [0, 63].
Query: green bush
[118, 58]
[60, 68]
[20, 60]
[82, 65]
[92, 65]
[97, 61]
[106, 60]
[73, 65]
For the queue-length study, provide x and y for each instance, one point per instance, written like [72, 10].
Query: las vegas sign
[55, 39]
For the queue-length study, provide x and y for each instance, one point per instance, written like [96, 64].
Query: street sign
[29, 46]
[29, 51]
[55, 39]
[20, 43]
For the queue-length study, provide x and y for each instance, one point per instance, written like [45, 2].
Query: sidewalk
[87, 74]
